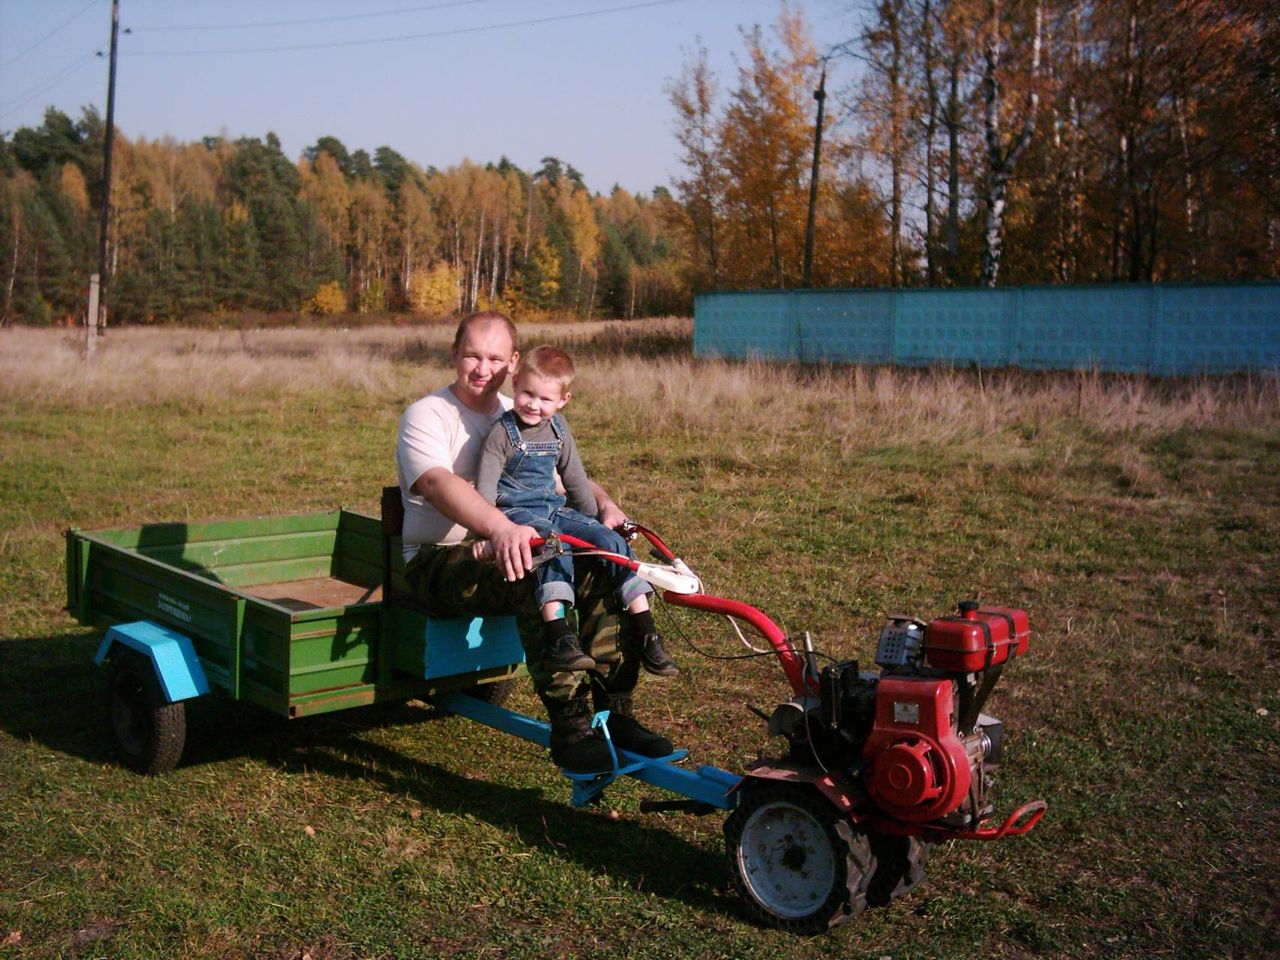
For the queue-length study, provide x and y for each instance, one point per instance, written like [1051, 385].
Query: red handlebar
[792, 665]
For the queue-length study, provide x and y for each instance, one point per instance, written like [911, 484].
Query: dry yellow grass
[860, 404]
[850, 404]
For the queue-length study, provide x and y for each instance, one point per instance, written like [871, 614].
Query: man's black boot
[626, 731]
[575, 744]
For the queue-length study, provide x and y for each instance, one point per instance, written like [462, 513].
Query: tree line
[993, 141]
[980, 142]
[224, 226]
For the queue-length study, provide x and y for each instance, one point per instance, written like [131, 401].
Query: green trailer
[292, 613]
[302, 615]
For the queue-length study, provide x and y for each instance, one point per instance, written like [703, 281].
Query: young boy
[527, 447]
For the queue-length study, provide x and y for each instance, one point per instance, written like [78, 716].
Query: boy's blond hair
[549, 362]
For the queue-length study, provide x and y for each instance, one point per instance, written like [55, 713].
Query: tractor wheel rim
[786, 860]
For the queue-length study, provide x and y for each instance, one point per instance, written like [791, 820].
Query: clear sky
[439, 81]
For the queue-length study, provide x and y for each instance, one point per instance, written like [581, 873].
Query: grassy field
[1137, 521]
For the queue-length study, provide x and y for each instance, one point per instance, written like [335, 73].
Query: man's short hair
[484, 317]
[549, 362]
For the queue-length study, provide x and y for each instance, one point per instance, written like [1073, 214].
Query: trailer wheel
[149, 732]
[498, 692]
[795, 861]
[900, 863]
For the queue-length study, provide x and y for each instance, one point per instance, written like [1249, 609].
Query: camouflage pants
[449, 582]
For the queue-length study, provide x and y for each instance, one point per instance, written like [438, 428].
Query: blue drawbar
[171, 654]
[707, 784]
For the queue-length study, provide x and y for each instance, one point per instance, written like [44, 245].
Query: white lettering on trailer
[173, 607]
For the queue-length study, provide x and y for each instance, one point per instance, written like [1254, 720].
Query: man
[437, 457]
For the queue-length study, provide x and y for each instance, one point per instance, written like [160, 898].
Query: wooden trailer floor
[316, 594]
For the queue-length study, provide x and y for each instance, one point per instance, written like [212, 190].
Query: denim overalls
[527, 495]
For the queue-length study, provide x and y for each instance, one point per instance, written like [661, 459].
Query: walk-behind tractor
[308, 614]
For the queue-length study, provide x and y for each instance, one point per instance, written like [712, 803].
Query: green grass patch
[1147, 552]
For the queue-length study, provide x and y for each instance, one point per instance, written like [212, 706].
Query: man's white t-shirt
[438, 431]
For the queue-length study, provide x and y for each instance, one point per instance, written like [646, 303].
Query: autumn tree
[765, 141]
[577, 221]
[418, 233]
[370, 229]
[323, 187]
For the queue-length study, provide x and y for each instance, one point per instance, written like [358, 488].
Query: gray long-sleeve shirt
[498, 449]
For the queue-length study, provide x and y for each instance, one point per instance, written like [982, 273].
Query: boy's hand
[482, 550]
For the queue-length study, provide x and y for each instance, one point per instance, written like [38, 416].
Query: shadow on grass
[650, 859]
[51, 693]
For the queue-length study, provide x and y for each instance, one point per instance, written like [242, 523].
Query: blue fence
[1157, 328]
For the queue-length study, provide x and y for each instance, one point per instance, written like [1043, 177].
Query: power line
[309, 20]
[51, 33]
[48, 84]
[411, 36]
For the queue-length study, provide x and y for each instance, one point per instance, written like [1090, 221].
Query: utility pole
[96, 319]
[820, 95]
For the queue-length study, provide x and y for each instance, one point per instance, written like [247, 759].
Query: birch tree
[1001, 156]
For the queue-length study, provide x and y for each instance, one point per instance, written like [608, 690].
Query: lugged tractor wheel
[149, 732]
[900, 865]
[795, 861]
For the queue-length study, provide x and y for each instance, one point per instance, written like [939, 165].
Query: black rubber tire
[838, 859]
[498, 692]
[148, 732]
[900, 867]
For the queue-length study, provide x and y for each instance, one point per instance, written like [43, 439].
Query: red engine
[930, 751]
[882, 765]
[918, 768]
[914, 736]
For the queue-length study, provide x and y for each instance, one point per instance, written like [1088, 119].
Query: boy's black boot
[639, 636]
[654, 656]
[575, 744]
[564, 653]
[626, 731]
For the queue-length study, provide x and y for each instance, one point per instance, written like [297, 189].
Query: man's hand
[611, 515]
[512, 552]
[458, 501]
[482, 550]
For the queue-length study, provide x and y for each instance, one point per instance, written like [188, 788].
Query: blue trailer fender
[171, 654]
